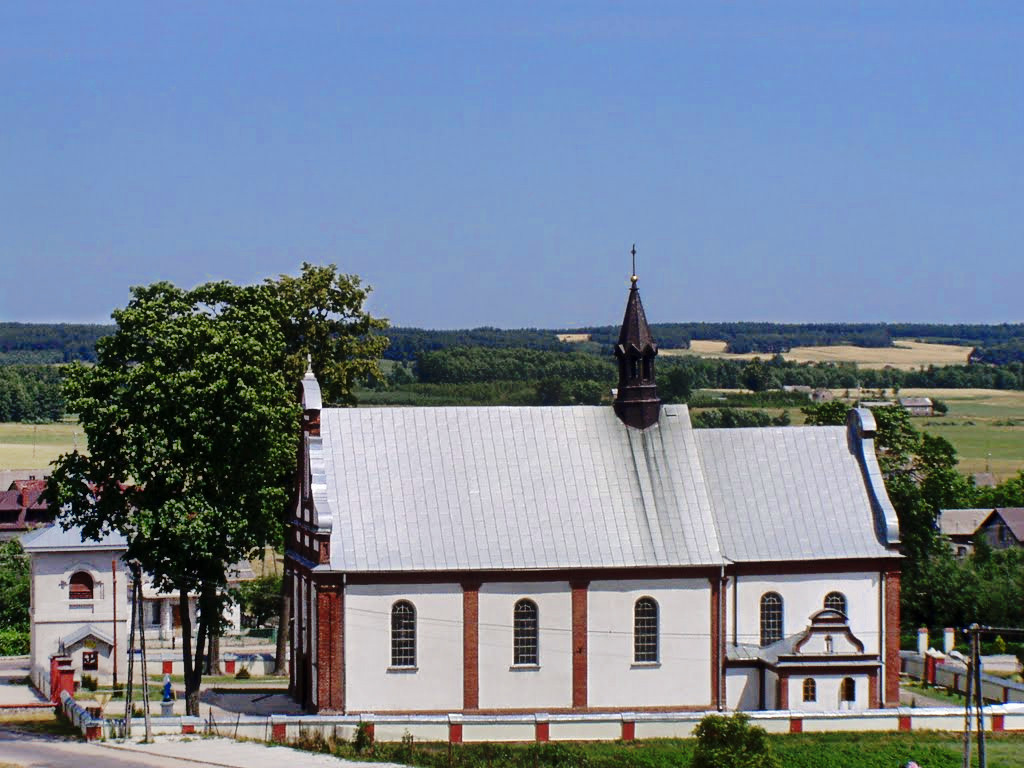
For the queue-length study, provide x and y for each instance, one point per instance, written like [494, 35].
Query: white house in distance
[79, 603]
[585, 558]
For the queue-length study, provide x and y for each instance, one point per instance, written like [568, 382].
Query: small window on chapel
[848, 689]
[810, 689]
[403, 634]
[836, 601]
[80, 586]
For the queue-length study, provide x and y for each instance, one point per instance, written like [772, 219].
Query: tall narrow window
[80, 586]
[810, 689]
[524, 639]
[848, 690]
[771, 618]
[403, 634]
[645, 630]
[634, 368]
[647, 369]
[836, 601]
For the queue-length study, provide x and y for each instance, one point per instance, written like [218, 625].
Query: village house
[79, 603]
[589, 558]
[22, 507]
[918, 406]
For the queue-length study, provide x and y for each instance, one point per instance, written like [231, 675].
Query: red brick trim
[905, 722]
[783, 702]
[716, 642]
[796, 725]
[167, 667]
[892, 638]
[998, 723]
[470, 647]
[873, 690]
[811, 566]
[278, 732]
[628, 730]
[579, 644]
[330, 645]
[187, 728]
[542, 732]
[94, 732]
[454, 733]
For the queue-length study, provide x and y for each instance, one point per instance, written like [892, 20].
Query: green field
[33, 446]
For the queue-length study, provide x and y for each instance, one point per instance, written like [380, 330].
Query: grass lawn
[45, 722]
[808, 750]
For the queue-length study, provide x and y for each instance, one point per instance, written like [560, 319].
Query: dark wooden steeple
[636, 402]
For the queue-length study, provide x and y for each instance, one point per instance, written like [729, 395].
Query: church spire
[636, 401]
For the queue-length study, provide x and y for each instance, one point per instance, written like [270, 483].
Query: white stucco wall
[742, 688]
[682, 675]
[549, 684]
[55, 616]
[827, 699]
[436, 681]
[803, 595]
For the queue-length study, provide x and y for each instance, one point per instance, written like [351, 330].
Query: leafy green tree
[828, 414]
[321, 313]
[756, 375]
[677, 385]
[260, 598]
[14, 586]
[191, 427]
[731, 742]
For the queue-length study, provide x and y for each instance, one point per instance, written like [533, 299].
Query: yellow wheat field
[906, 355]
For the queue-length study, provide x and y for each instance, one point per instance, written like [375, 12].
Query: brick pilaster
[716, 642]
[470, 646]
[330, 681]
[579, 643]
[783, 702]
[892, 638]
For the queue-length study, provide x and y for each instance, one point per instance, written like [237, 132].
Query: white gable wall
[370, 682]
[828, 693]
[682, 675]
[505, 686]
[802, 596]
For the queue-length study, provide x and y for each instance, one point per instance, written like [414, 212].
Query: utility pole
[980, 700]
[967, 709]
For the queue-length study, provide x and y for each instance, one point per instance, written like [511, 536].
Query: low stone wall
[456, 728]
[171, 663]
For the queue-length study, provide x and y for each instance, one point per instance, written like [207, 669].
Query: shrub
[90, 683]
[13, 642]
[731, 742]
[242, 674]
[363, 739]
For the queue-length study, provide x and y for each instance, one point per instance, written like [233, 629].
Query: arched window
[403, 634]
[836, 601]
[80, 586]
[771, 618]
[848, 690]
[524, 637]
[645, 630]
[810, 689]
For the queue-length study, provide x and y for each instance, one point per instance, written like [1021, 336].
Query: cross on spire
[633, 252]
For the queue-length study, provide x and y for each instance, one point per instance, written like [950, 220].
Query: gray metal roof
[54, 538]
[788, 493]
[962, 522]
[505, 487]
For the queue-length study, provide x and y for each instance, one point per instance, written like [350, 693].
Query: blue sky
[491, 163]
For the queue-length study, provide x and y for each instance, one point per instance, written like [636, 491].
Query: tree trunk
[281, 659]
[193, 657]
[213, 658]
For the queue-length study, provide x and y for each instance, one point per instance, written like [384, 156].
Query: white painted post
[922, 641]
[948, 639]
[166, 627]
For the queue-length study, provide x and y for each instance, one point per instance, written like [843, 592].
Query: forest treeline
[48, 343]
[996, 344]
[30, 393]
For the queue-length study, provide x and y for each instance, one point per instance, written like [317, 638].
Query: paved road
[37, 751]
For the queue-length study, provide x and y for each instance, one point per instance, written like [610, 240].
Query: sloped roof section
[503, 487]
[54, 538]
[789, 493]
[962, 522]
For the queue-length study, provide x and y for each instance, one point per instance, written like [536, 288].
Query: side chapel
[546, 559]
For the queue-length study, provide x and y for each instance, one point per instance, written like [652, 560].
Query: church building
[589, 558]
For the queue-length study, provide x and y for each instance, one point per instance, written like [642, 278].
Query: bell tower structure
[636, 403]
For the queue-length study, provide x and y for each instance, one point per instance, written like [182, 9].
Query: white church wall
[370, 681]
[803, 595]
[506, 686]
[682, 674]
[742, 688]
[827, 698]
